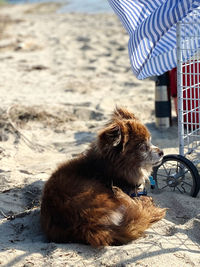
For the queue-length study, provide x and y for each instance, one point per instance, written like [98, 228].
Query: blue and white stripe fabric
[151, 25]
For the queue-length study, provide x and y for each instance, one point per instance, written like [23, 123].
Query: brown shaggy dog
[83, 200]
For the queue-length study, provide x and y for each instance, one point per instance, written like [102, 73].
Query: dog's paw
[117, 191]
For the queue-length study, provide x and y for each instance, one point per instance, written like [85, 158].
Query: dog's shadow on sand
[22, 232]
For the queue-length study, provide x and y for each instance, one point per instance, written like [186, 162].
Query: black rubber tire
[195, 187]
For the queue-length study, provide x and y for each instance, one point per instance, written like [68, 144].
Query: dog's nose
[161, 153]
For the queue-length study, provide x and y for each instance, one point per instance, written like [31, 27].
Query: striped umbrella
[151, 25]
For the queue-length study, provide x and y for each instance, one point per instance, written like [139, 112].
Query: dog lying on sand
[84, 201]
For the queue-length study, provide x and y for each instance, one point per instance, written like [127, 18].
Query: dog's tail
[125, 224]
[140, 214]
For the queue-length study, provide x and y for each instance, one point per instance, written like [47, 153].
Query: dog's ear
[111, 135]
[122, 113]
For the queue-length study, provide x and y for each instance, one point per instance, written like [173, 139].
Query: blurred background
[88, 6]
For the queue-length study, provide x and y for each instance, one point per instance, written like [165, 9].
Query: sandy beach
[61, 75]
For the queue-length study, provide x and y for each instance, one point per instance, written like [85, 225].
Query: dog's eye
[143, 147]
[137, 186]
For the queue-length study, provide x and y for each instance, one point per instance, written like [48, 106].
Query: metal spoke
[186, 183]
[164, 186]
[179, 190]
[184, 191]
[177, 167]
[162, 175]
[185, 172]
[166, 170]
[170, 171]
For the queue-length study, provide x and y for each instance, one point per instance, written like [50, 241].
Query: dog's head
[126, 142]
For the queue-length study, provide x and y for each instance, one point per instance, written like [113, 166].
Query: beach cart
[165, 34]
[180, 172]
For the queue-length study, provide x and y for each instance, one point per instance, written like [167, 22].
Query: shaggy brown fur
[83, 200]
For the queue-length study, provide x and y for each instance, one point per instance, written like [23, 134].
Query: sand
[61, 76]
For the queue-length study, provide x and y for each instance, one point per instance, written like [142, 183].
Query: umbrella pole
[179, 90]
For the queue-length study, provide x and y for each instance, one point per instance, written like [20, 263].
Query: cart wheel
[176, 173]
